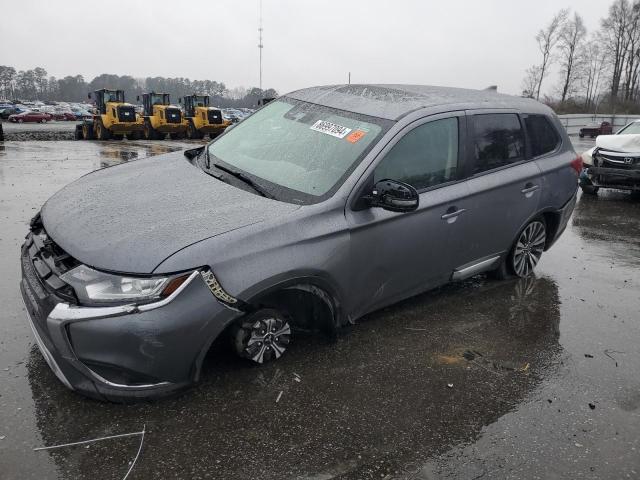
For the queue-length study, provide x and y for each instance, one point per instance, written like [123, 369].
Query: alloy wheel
[529, 248]
[264, 339]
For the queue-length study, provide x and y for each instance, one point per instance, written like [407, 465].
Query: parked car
[64, 116]
[594, 130]
[231, 115]
[614, 162]
[30, 116]
[5, 112]
[326, 204]
[82, 115]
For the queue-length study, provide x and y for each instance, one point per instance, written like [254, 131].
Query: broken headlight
[95, 287]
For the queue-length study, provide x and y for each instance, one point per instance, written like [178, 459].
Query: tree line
[36, 84]
[598, 71]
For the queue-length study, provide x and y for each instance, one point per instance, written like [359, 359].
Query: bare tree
[595, 59]
[530, 81]
[633, 51]
[616, 40]
[570, 44]
[547, 39]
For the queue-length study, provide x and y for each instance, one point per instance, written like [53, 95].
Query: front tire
[192, 132]
[101, 132]
[262, 336]
[589, 189]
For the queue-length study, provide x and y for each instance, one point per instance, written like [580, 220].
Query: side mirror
[89, 96]
[394, 196]
[180, 100]
[138, 98]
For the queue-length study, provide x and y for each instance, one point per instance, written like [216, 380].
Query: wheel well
[552, 223]
[309, 307]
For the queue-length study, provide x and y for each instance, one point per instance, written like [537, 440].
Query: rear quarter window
[543, 136]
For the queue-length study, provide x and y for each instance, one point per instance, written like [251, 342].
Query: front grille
[49, 261]
[126, 113]
[215, 117]
[617, 160]
[173, 115]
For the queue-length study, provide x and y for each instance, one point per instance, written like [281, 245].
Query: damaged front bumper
[127, 351]
[606, 177]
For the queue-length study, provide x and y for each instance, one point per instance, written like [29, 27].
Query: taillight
[576, 164]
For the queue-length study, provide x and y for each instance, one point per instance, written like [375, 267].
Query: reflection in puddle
[611, 221]
[376, 400]
[120, 153]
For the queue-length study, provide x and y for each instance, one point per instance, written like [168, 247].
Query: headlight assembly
[95, 287]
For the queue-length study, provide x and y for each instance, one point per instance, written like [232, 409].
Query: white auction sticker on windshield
[329, 128]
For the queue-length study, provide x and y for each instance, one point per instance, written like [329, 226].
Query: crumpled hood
[619, 143]
[131, 217]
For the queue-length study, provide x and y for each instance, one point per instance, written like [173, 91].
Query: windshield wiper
[245, 179]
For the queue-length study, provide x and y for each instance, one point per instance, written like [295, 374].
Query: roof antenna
[260, 45]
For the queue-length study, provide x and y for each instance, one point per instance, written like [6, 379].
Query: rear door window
[543, 136]
[499, 141]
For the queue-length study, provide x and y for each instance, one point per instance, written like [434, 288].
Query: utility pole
[349, 78]
[260, 45]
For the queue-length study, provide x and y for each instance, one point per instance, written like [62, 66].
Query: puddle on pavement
[375, 402]
[379, 394]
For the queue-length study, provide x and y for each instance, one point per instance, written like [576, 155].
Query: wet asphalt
[537, 378]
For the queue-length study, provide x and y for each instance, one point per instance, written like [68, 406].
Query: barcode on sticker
[329, 128]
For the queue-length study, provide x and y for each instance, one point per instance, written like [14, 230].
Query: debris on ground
[415, 329]
[2, 437]
[449, 385]
[608, 353]
[588, 355]
[592, 406]
[110, 437]
[279, 395]
[296, 377]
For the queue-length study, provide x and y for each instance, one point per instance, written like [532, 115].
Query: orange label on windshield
[356, 135]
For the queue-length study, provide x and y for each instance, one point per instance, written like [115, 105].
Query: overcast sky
[462, 43]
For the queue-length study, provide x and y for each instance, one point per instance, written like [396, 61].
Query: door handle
[453, 214]
[530, 188]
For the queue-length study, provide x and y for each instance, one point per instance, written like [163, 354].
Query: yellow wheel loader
[202, 119]
[113, 119]
[160, 117]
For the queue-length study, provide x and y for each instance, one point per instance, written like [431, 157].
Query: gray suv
[324, 205]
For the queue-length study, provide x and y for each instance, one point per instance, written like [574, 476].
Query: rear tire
[525, 252]
[589, 189]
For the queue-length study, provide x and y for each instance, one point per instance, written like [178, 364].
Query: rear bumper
[564, 214]
[125, 352]
[611, 178]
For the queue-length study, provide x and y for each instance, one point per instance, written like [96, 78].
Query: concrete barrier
[574, 122]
